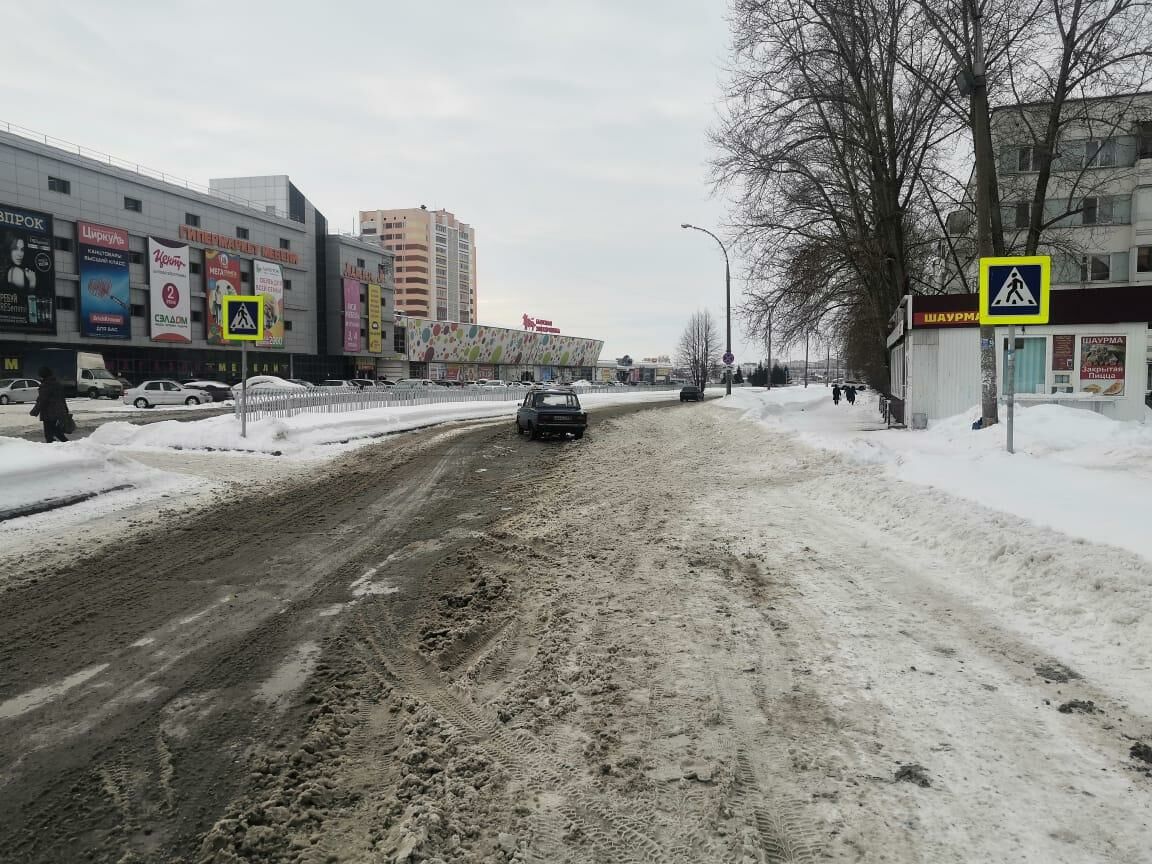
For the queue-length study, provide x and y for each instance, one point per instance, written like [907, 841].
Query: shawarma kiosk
[1093, 354]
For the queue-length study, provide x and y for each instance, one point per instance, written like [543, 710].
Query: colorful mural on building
[448, 342]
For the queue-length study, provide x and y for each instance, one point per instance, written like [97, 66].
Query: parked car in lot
[307, 385]
[152, 393]
[414, 383]
[268, 382]
[362, 383]
[217, 390]
[551, 412]
[339, 384]
[18, 390]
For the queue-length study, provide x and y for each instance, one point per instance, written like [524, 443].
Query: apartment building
[435, 261]
[1096, 217]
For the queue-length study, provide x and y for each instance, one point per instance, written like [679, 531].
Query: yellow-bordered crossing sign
[1015, 290]
[243, 317]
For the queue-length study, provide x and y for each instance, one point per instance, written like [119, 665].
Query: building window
[133, 204]
[368, 230]
[241, 233]
[287, 284]
[398, 336]
[193, 266]
[285, 243]
[135, 257]
[1025, 159]
[1099, 153]
[1097, 210]
[192, 219]
[360, 263]
[138, 310]
[62, 244]
[55, 184]
[197, 315]
[1095, 268]
[1144, 259]
[245, 276]
[65, 304]
[287, 326]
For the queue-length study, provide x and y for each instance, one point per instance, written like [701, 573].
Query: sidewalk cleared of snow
[1074, 471]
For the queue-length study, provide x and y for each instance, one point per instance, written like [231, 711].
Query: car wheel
[4, 399]
[191, 400]
[93, 393]
[533, 432]
[577, 435]
[141, 402]
[519, 428]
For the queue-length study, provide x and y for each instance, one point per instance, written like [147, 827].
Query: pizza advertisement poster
[1102, 360]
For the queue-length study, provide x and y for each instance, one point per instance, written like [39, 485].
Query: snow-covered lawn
[1075, 471]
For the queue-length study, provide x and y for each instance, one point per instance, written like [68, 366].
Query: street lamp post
[727, 303]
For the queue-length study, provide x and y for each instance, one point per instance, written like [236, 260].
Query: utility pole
[985, 176]
[806, 335]
[727, 304]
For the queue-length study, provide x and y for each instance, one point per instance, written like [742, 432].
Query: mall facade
[112, 258]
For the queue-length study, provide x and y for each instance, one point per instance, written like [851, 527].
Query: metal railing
[135, 167]
[262, 404]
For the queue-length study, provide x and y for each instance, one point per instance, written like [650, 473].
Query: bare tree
[699, 348]
[825, 138]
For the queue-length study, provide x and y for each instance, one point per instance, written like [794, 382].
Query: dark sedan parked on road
[691, 393]
[551, 412]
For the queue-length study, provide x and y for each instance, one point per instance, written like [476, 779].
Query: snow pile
[304, 434]
[31, 472]
[1075, 471]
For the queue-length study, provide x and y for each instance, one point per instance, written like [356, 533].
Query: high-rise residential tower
[435, 261]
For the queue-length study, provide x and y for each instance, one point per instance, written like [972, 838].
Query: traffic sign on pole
[1015, 290]
[243, 318]
[729, 358]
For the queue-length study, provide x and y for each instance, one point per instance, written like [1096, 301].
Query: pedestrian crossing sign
[243, 318]
[1015, 290]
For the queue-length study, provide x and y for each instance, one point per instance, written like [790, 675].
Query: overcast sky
[572, 136]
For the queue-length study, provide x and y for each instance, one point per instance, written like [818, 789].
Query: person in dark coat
[850, 394]
[835, 394]
[51, 407]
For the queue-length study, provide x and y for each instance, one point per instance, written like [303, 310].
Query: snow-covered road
[689, 637]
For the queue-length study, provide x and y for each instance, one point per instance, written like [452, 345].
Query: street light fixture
[727, 303]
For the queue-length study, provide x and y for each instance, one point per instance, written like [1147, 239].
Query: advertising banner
[375, 320]
[102, 254]
[270, 283]
[170, 299]
[221, 278]
[28, 290]
[351, 315]
[1102, 361]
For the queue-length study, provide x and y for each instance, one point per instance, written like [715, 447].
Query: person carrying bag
[52, 409]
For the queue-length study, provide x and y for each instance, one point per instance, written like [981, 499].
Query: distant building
[435, 261]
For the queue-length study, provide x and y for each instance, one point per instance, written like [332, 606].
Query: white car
[269, 382]
[152, 393]
[18, 390]
[414, 383]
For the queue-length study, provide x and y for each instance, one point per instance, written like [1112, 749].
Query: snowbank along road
[682, 639]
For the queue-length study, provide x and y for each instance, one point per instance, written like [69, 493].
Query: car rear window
[556, 400]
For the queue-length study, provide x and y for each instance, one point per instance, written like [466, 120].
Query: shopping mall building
[116, 259]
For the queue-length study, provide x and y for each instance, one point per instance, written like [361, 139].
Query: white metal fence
[331, 400]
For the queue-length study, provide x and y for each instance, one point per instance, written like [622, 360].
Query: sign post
[243, 322]
[1014, 291]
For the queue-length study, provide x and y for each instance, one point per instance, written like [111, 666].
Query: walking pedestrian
[835, 394]
[51, 407]
[850, 394]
